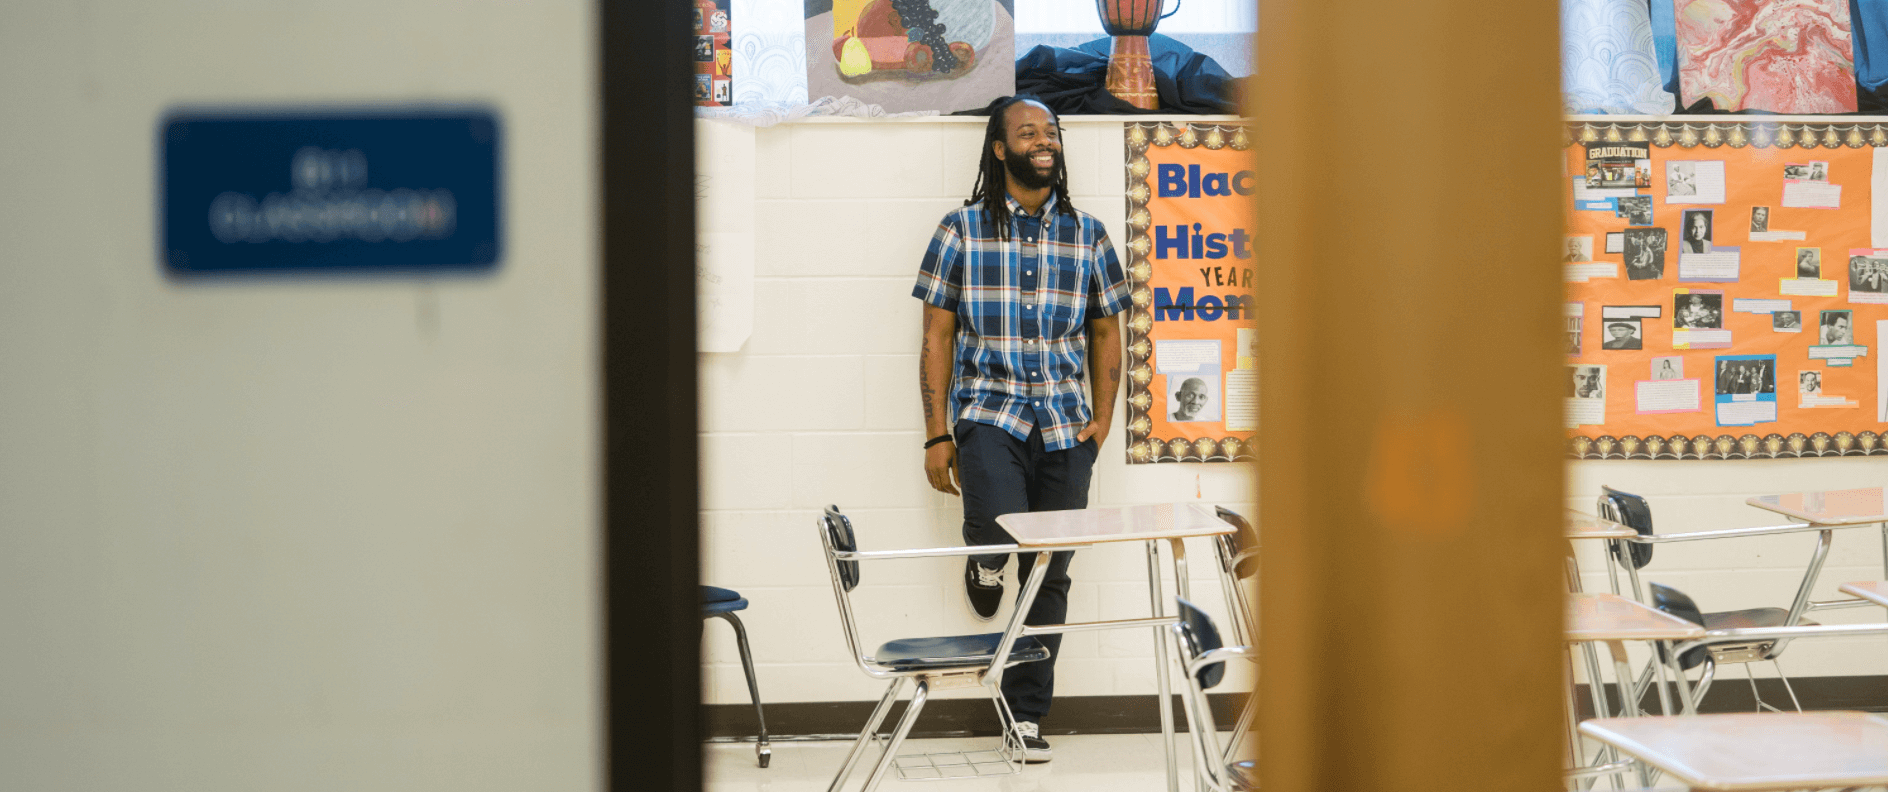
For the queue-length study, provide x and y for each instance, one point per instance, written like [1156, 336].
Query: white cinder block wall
[1732, 574]
[821, 407]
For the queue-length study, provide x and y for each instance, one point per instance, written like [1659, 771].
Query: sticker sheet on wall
[908, 55]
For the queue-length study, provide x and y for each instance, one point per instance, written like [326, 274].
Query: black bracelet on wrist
[935, 440]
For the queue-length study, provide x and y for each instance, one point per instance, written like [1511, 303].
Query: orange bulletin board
[1775, 366]
[1190, 335]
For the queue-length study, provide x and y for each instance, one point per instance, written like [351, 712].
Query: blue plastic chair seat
[954, 651]
[715, 599]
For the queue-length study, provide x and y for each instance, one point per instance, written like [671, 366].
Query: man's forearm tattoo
[925, 391]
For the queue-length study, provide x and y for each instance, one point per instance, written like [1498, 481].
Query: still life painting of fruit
[910, 39]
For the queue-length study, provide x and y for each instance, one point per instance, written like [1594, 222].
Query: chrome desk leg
[918, 696]
[1622, 670]
[1575, 756]
[1160, 666]
[1181, 587]
[1884, 550]
[1665, 696]
[865, 736]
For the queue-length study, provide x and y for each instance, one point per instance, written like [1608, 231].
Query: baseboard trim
[973, 717]
[966, 717]
[1731, 694]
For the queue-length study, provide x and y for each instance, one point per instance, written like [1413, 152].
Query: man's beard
[1024, 171]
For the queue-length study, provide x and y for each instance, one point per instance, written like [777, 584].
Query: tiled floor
[1089, 763]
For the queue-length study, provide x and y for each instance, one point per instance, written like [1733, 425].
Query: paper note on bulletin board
[1725, 282]
[1191, 337]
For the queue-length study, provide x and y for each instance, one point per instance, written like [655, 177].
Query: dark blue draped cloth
[1073, 81]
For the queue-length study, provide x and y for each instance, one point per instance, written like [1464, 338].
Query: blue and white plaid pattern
[1022, 308]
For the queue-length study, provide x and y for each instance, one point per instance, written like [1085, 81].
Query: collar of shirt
[1017, 212]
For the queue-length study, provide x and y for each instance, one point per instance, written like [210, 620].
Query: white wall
[292, 535]
[821, 407]
[1733, 574]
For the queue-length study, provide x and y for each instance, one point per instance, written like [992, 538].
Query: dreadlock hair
[992, 188]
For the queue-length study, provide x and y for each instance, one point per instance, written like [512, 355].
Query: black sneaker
[1035, 749]
[983, 588]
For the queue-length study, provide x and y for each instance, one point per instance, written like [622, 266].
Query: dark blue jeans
[1000, 475]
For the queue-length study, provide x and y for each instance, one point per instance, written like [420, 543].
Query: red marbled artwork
[1784, 56]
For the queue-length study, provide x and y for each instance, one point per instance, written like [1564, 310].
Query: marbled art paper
[1784, 56]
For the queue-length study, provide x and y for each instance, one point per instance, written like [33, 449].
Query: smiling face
[1031, 148]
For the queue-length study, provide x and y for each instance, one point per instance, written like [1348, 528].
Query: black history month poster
[1191, 338]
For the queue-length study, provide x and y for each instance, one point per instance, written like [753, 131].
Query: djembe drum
[1131, 67]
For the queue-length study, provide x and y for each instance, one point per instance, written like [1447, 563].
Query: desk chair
[1238, 560]
[720, 603]
[940, 662]
[1633, 511]
[1203, 656]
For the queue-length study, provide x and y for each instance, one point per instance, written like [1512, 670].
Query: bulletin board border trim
[1750, 446]
[1143, 447]
[1779, 133]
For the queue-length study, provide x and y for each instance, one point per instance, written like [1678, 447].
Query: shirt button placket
[1031, 323]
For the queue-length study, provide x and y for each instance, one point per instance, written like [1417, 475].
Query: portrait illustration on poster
[1192, 355]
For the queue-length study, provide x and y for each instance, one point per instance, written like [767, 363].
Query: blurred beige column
[1411, 384]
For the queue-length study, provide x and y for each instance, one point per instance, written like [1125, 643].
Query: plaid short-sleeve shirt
[1022, 308]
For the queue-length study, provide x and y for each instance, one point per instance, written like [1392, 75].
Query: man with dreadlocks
[1021, 290]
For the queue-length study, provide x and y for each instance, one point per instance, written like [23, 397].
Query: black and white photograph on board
[1668, 368]
[1636, 209]
[1695, 236]
[1868, 275]
[1622, 334]
[1193, 398]
[1737, 377]
[1786, 321]
[1837, 328]
[1681, 178]
[1579, 248]
[1759, 219]
[1809, 263]
[1696, 311]
[1645, 253]
[1809, 383]
[1573, 335]
[1586, 382]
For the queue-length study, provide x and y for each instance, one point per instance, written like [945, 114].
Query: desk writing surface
[1587, 526]
[1830, 507]
[1610, 617]
[1757, 751]
[1875, 591]
[1113, 524]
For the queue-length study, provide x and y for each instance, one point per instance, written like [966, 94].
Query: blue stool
[722, 603]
